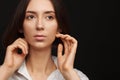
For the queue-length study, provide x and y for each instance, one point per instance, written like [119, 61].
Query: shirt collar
[23, 71]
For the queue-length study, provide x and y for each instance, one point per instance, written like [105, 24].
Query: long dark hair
[16, 23]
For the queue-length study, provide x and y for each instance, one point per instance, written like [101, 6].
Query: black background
[94, 24]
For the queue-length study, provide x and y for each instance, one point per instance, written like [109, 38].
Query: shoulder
[81, 74]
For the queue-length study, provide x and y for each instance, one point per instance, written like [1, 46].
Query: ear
[59, 31]
[20, 31]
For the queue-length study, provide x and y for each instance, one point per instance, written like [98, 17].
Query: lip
[39, 37]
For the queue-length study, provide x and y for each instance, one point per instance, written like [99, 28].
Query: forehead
[40, 5]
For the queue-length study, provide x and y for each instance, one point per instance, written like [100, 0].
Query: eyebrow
[34, 12]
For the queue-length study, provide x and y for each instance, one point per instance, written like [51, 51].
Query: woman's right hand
[13, 60]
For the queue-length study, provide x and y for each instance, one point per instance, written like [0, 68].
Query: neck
[40, 61]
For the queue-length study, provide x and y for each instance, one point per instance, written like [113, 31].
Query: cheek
[52, 33]
[28, 26]
[27, 29]
[52, 27]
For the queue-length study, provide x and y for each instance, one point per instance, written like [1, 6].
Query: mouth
[39, 37]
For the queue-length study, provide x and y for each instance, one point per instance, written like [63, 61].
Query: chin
[40, 46]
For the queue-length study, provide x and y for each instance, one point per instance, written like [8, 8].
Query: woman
[38, 25]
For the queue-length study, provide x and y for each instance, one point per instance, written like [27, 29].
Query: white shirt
[22, 73]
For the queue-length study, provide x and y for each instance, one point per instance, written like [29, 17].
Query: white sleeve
[81, 75]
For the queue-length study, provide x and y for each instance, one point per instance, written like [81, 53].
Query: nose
[40, 25]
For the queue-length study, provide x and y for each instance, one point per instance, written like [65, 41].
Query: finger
[65, 43]
[66, 46]
[12, 51]
[8, 56]
[24, 43]
[19, 46]
[59, 35]
[73, 45]
[25, 47]
[60, 50]
[68, 40]
[70, 43]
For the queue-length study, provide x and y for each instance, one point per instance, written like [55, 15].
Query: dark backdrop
[92, 24]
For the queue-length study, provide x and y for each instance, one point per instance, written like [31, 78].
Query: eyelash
[30, 17]
[49, 17]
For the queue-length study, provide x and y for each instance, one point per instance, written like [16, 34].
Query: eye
[29, 17]
[50, 17]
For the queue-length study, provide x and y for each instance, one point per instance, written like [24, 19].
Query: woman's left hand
[66, 58]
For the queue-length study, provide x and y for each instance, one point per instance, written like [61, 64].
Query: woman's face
[40, 24]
